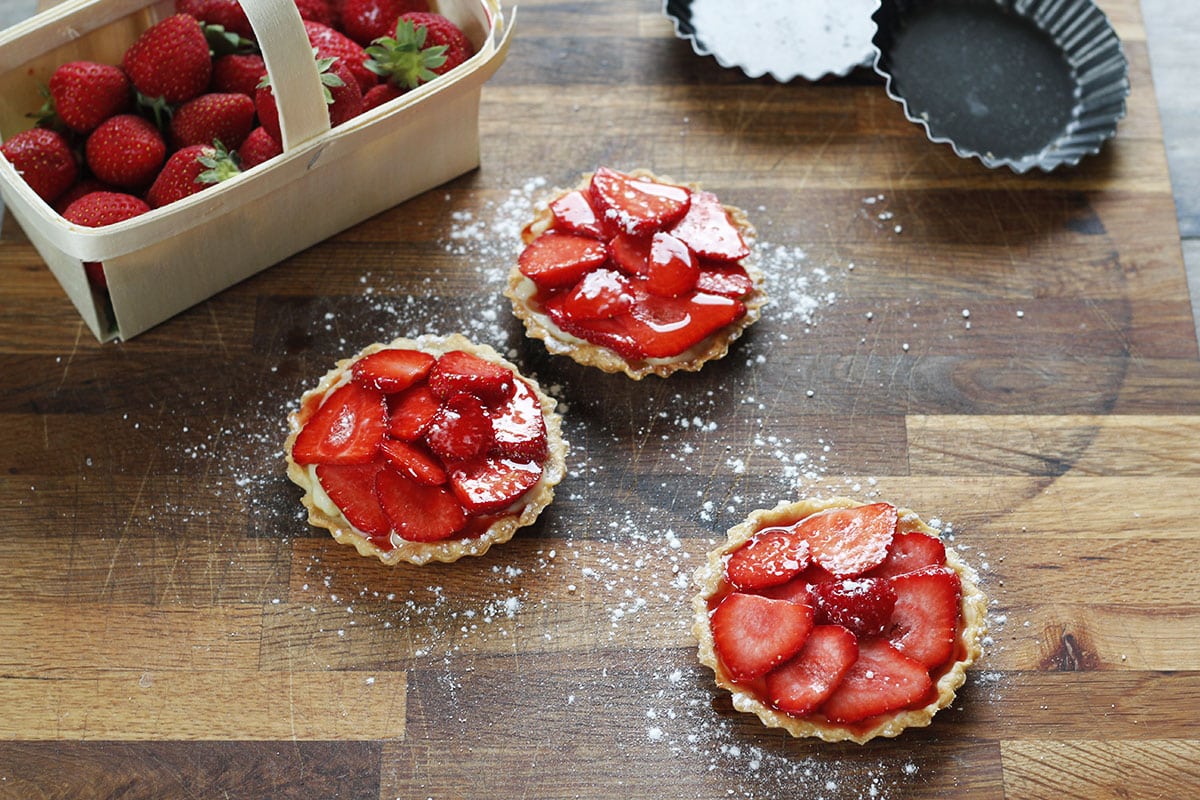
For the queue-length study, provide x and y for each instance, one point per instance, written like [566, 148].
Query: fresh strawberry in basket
[334, 44]
[97, 209]
[170, 60]
[190, 170]
[224, 117]
[238, 72]
[364, 21]
[322, 11]
[258, 147]
[126, 151]
[44, 160]
[424, 45]
[342, 96]
[85, 93]
[226, 13]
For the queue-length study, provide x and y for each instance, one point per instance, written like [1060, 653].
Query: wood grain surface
[1013, 356]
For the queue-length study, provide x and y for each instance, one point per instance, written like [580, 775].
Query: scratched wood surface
[1013, 356]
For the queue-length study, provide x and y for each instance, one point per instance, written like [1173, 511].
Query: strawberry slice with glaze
[850, 541]
[392, 370]
[909, 552]
[862, 605]
[728, 280]
[664, 327]
[771, 557]
[800, 685]
[601, 294]
[413, 461]
[488, 484]
[419, 513]
[665, 263]
[708, 230]
[460, 429]
[556, 260]
[753, 634]
[410, 413]
[459, 371]
[352, 488]
[925, 620]
[346, 429]
[637, 207]
[573, 213]
[518, 426]
[882, 679]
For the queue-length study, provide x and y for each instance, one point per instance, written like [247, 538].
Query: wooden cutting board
[1013, 356]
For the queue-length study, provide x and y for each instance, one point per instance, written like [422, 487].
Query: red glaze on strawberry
[850, 541]
[556, 260]
[411, 413]
[662, 327]
[708, 230]
[352, 488]
[882, 679]
[413, 461]
[925, 621]
[600, 294]
[909, 552]
[346, 429]
[774, 556]
[800, 685]
[392, 370]
[419, 513]
[460, 430]
[862, 605]
[573, 213]
[459, 371]
[518, 425]
[753, 634]
[488, 484]
[635, 206]
[728, 280]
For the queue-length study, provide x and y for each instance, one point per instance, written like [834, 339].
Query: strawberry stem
[404, 60]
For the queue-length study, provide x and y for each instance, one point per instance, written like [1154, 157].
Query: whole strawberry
[424, 45]
[44, 159]
[343, 98]
[333, 44]
[379, 94]
[125, 151]
[227, 118]
[85, 185]
[322, 11]
[364, 21]
[86, 93]
[226, 13]
[97, 209]
[258, 147]
[190, 170]
[238, 72]
[170, 60]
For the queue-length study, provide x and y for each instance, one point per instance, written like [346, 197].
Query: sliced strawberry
[573, 213]
[911, 551]
[797, 590]
[772, 556]
[802, 684]
[882, 679]
[410, 413]
[728, 280]
[850, 541]
[673, 268]
[419, 513]
[392, 370]
[708, 230]
[601, 294]
[346, 429]
[863, 605]
[413, 461]
[753, 634]
[664, 327]
[489, 484]
[637, 207]
[925, 620]
[631, 254]
[556, 260]
[460, 430]
[518, 425]
[352, 488]
[615, 333]
[460, 371]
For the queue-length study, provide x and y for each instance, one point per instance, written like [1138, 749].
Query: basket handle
[293, 70]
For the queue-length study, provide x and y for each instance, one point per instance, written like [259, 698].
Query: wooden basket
[165, 261]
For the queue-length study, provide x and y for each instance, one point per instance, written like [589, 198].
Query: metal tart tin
[1014, 83]
[785, 39]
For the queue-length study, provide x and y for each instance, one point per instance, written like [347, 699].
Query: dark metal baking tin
[1016, 83]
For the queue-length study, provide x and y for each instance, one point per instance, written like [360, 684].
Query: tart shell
[322, 513]
[520, 290]
[973, 608]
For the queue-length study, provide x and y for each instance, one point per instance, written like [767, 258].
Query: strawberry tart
[637, 274]
[423, 450]
[837, 620]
